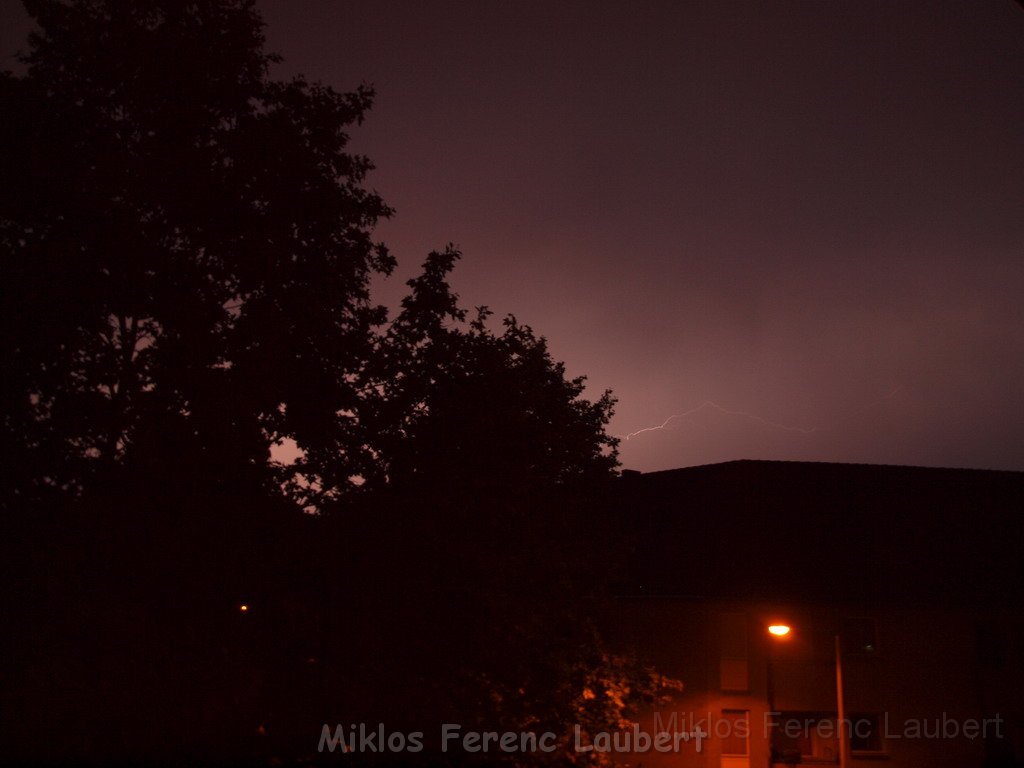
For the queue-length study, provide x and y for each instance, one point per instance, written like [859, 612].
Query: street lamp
[783, 630]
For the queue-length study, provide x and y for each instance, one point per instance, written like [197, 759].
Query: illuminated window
[734, 731]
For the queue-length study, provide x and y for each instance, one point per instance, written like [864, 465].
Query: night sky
[799, 226]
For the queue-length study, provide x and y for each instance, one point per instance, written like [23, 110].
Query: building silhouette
[905, 580]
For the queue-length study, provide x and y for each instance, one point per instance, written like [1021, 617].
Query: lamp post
[780, 631]
[840, 709]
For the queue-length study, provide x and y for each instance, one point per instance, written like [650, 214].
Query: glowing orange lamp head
[779, 630]
[243, 608]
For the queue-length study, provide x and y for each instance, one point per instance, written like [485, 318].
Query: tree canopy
[468, 410]
[186, 247]
[186, 251]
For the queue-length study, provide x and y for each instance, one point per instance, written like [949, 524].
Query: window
[866, 732]
[734, 731]
[805, 737]
[734, 673]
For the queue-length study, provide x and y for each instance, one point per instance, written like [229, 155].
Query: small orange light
[243, 607]
[779, 630]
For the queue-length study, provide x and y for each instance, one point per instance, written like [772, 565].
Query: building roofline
[817, 464]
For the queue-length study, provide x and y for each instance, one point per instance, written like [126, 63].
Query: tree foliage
[186, 251]
[186, 247]
[468, 410]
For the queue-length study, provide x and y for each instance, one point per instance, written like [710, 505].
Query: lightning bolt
[715, 406]
[754, 417]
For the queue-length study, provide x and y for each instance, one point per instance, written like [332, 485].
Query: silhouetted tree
[483, 613]
[468, 410]
[185, 252]
[185, 249]
[477, 537]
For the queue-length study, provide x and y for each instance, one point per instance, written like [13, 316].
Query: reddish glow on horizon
[696, 246]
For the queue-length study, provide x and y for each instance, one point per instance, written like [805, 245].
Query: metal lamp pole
[840, 708]
[781, 631]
